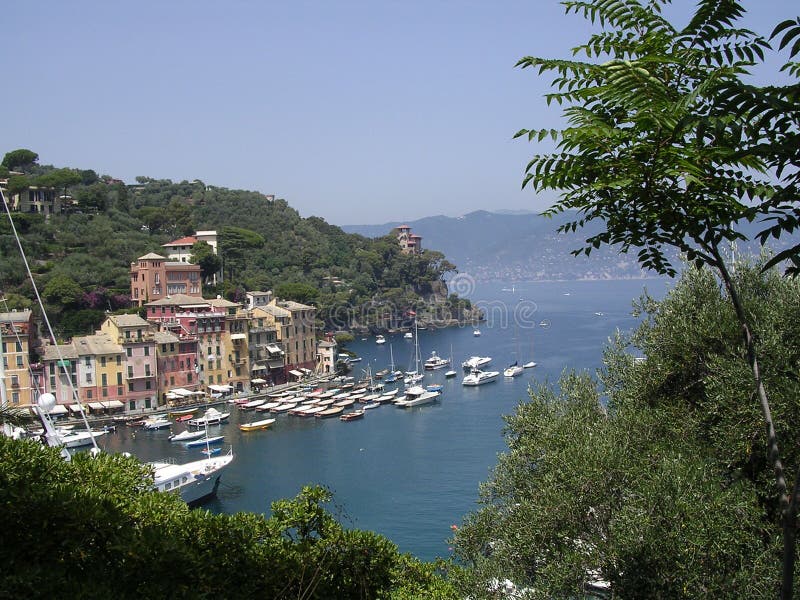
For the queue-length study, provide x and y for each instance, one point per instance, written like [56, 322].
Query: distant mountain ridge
[522, 246]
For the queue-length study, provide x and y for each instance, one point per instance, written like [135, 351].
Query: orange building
[154, 277]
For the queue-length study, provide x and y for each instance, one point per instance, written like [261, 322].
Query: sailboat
[513, 370]
[414, 376]
[530, 364]
[451, 373]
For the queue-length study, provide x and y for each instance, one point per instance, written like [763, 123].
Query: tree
[93, 198]
[648, 152]
[299, 292]
[203, 255]
[61, 179]
[662, 490]
[63, 290]
[19, 159]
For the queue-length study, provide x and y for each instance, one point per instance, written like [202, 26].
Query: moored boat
[256, 425]
[194, 481]
[416, 396]
[352, 416]
[211, 417]
[476, 362]
[185, 436]
[206, 441]
[330, 412]
[478, 377]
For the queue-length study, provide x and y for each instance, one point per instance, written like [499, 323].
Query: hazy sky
[357, 111]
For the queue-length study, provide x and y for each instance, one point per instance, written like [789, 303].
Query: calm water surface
[410, 474]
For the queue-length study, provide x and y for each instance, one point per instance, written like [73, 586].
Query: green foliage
[62, 290]
[20, 158]
[665, 491]
[203, 255]
[93, 528]
[299, 292]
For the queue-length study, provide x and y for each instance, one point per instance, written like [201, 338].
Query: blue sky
[356, 111]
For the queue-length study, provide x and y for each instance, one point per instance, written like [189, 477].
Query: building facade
[17, 340]
[154, 277]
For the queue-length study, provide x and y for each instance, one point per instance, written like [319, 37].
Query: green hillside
[81, 258]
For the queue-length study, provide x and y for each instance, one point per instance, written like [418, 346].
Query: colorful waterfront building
[154, 277]
[137, 339]
[17, 342]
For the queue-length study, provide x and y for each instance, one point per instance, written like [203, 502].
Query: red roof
[414, 235]
[185, 241]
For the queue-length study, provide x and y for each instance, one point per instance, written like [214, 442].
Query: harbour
[410, 474]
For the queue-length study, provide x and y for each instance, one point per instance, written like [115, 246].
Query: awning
[220, 388]
[62, 363]
[258, 367]
[180, 392]
[275, 364]
[238, 336]
[113, 404]
[306, 371]
[173, 396]
[96, 405]
[258, 381]
[76, 408]
[296, 373]
[58, 409]
[273, 349]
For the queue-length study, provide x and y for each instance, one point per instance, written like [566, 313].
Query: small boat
[329, 412]
[379, 339]
[345, 403]
[154, 424]
[355, 358]
[370, 398]
[373, 404]
[185, 436]
[256, 425]
[436, 362]
[211, 451]
[180, 412]
[529, 365]
[311, 411]
[211, 417]
[183, 418]
[352, 416]
[408, 335]
[217, 439]
[450, 374]
[476, 362]
[476, 332]
[434, 387]
[512, 370]
[478, 377]
[76, 439]
[283, 407]
[268, 406]
[194, 481]
[252, 404]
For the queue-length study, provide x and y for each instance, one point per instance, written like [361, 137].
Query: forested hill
[81, 258]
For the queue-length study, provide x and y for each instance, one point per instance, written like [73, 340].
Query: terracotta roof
[184, 241]
[178, 300]
[128, 321]
[15, 316]
[151, 255]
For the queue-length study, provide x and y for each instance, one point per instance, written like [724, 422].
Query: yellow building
[17, 333]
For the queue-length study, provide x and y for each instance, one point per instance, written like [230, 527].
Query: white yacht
[478, 377]
[436, 362]
[379, 339]
[513, 370]
[416, 396]
[194, 481]
[476, 362]
[211, 417]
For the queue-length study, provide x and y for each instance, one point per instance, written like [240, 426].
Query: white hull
[480, 377]
[195, 481]
[80, 438]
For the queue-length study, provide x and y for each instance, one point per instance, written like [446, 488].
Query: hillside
[514, 246]
[81, 255]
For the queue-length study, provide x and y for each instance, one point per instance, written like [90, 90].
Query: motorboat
[194, 481]
[379, 339]
[76, 439]
[434, 387]
[476, 362]
[408, 335]
[256, 425]
[416, 396]
[211, 417]
[253, 404]
[512, 370]
[352, 416]
[476, 332]
[529, 365]
[211, 451]
[286, 407]
[478, 377]
[154, 424]
[370, 405]
[268, 406]
[186, 436]
[206, 441]
[329, 412]
[436, 362]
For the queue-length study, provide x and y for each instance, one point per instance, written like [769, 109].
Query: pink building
[154, 277]
[135, 335]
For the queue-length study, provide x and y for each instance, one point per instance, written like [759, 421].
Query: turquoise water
[410, 474]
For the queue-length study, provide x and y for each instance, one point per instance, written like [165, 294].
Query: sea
[411, 474]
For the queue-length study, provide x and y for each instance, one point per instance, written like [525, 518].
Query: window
[102, 361]
[147, 402]
[163, 349]
[128, 352]
[87, 361]
[147, 370]
[172, 381]
[132, 405]
[188, 378]
[130, 372]
[147, 384]
[119, 391]
[172, 347]
[19, 347]
[19, 361]
[52, 368]
[119, 378]
[119, 359]
[88, 394]
[88, 378]
[105, 392]
[15, 397]
[130, 386]
[127, 334]
[14, 380]
[147, 350]
[103, 379]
